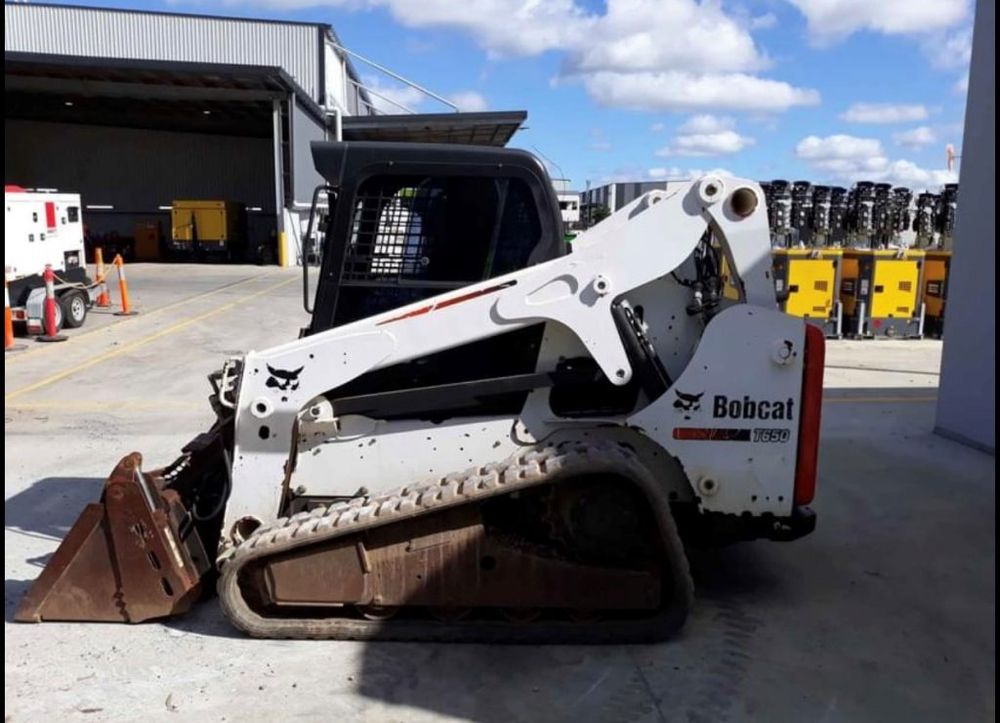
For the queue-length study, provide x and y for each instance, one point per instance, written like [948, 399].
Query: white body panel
[41, 228]
[741, 355]
[749, 349]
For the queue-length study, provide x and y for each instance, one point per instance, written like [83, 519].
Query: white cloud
[682, 90]
[884, 113]
[915, 137]
[648, 46]
[763, 22]
[723, 143]
[629, 174]
[961, 86]
[705, 134]
[387, 98]
[680, 174]
[907, 173]
[707, 123]
[657, 127]
[831, 20]
[641, 53]
[849, 159]
[469, 101]
[949, 50]
[501, 27]
[813, 148]
[650, 35]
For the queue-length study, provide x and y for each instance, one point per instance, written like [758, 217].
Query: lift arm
[641, 242]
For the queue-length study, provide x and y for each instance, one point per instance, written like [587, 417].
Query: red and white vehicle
[45, 228]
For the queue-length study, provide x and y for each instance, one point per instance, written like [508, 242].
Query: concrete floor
[885, 613]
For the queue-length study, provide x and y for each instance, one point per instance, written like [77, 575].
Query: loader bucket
[125, 559]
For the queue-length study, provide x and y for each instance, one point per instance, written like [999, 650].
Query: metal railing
[381, 95]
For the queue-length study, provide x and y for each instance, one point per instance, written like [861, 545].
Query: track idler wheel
[378, 612]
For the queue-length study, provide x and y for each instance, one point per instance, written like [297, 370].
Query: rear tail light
[809, 421]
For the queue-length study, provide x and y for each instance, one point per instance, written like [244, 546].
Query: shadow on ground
[47, 509]
[50, 506]
[13, 591]
[696, 676]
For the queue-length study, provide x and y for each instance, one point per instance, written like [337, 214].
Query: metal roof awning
[210, 98]
[201, 97]
[479, 129]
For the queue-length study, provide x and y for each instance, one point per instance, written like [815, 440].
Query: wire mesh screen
[388, 239]
[412, 237]
[421, 229]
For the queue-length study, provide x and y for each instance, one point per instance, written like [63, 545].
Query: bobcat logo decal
[687, 402]
[285, 380]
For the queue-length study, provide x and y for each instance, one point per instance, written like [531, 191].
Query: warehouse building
[135, 110]
[612, 196]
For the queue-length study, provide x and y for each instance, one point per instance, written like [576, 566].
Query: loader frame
[643, 242]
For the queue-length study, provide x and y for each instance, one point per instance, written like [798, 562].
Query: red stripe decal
[449, 302]
[407, 315]
[472, 295]
[711, 434]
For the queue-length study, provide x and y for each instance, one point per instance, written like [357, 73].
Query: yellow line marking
[145, 315]
[140, 342]
[98, 406]
[880, 400]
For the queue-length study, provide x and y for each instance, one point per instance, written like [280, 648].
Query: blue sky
[641, 89]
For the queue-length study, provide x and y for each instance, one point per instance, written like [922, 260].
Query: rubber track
[545, 465]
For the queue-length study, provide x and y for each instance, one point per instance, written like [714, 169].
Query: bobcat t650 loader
[481, 435]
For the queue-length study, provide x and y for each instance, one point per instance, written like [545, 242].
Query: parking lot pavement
[886, 612]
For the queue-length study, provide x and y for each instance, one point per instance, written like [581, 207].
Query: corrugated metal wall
[616, 195]
[625, 193]
[304, 175]
[599, 196]
[116, 34]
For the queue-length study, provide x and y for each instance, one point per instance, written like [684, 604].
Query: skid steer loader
[480, 436]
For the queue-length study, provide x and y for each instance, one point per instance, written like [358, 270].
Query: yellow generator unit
[807, 281]
[937, 264]
[880, 290]
[216, 227]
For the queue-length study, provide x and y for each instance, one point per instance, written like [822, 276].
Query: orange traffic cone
[49, 309]
[8, 320]
[103, 299]
[119, 263]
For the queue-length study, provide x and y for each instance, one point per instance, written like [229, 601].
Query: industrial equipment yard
[537, 361]
[886, 612]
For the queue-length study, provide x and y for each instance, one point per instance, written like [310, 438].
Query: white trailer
[42, 229]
